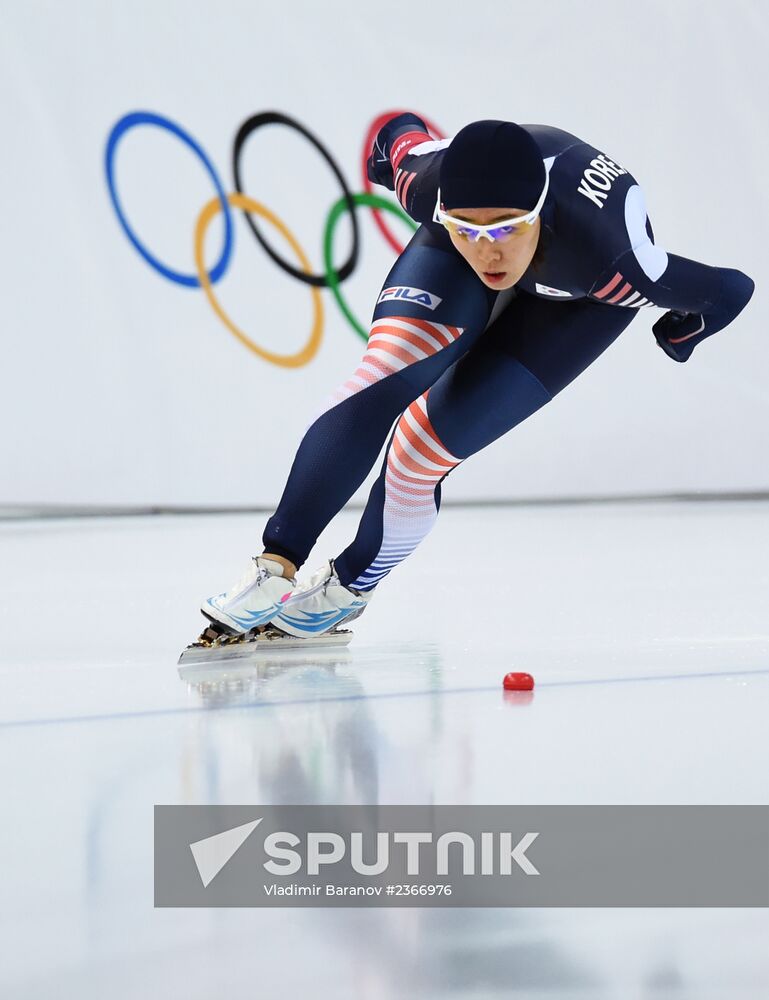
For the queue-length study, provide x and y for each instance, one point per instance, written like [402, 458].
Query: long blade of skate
[255, 646]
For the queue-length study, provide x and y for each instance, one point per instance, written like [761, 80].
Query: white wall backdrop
[120, 386]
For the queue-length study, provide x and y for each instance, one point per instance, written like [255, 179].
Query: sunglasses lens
[464, 232]
[502, 232]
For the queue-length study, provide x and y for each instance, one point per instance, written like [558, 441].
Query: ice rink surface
[645, 626]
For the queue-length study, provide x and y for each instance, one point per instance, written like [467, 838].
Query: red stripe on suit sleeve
[403, 144]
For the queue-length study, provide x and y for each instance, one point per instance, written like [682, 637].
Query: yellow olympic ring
[242, 201]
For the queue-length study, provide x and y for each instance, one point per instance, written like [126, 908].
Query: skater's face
[499, 264]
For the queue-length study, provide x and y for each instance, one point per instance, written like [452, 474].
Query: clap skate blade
[215, 645]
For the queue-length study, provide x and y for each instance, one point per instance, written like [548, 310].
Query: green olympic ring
[374, 201]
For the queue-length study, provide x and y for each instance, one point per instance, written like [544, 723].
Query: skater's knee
[416, 433]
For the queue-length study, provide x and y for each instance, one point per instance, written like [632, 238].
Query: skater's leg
[413, 340]
[528, 355]
[411, 343]
[404, 501]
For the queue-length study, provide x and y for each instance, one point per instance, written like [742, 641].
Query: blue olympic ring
[148, 118]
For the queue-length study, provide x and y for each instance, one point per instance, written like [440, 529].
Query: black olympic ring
[276, 118]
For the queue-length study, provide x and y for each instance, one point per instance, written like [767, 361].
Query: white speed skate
[320, 605]
[253, 600]
[265, 615]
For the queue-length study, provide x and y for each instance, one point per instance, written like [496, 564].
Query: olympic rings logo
[223, 202]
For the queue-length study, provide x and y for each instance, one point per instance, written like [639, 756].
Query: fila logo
[546, 290]
[598, 178]
[408, 294]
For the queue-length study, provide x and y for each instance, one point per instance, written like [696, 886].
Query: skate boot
[253, 600]
[319, 605]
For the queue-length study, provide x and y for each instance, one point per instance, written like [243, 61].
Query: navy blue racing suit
[454, 364]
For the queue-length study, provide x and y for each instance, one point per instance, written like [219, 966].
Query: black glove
[378, 167]
[672, 325]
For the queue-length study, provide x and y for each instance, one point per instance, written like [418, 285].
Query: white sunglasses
[497, 230]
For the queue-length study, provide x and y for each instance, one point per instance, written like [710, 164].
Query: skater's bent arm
[700, 299]
[406, 159]
[716, 295]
